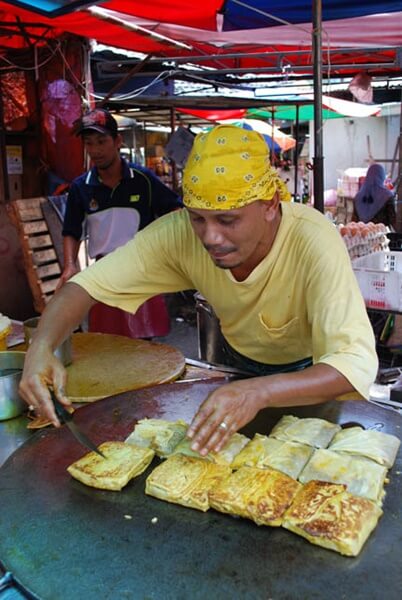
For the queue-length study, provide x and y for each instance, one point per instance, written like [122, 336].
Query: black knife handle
[62, 414]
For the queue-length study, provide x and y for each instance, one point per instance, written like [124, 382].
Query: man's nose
[212, 235]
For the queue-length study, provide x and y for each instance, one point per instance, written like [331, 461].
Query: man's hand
[226, 410]
[233, 405]
[69, 270]
[41, 370]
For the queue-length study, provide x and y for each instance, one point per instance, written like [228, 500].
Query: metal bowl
[11, 365]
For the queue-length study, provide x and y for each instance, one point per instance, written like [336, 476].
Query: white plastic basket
[380, 261]
[380, 279]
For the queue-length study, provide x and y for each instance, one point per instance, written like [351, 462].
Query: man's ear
[119, 140]
[272, 207]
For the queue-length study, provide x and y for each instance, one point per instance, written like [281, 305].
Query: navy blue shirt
[113, 216]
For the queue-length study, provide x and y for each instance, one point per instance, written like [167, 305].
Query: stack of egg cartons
[364, 238]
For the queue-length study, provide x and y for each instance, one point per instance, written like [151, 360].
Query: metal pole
[296, 155]
[5, 196]
[318, 159]
[398, 183]
[175, 183]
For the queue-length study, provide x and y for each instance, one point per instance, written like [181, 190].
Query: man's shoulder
[137, 168]
[82, 179]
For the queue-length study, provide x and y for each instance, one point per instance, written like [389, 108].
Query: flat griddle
[64, 540]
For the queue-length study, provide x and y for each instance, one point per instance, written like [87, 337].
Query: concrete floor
[183, 318]
[183, 335]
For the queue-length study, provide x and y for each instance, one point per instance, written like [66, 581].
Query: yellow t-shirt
[302, 300]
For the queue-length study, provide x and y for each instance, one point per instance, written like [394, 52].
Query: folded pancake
[362, 476]
[328, 516]
[158, 434]
[185, 480]
[378, 446]
[314, 432]
[264, 452]
[262, 495]
[224, 457]
[123, 462]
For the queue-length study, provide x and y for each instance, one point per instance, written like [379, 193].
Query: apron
[151, 320]
[255, 368]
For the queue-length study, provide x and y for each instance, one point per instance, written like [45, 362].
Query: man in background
[112, 202]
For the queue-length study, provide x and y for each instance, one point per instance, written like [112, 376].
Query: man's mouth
[219, 253]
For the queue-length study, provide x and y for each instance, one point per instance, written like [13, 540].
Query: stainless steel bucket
[63, 352]
[11, 365]
[210, 338]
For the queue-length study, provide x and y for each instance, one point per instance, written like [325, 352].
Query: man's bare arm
[71, 248]
[64, 312]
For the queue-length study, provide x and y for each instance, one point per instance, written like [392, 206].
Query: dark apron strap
[255, 368]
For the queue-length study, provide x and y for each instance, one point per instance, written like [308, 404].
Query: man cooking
[277, 275]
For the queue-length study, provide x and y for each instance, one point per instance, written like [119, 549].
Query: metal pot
[210, 338]
[62, 352]
[11, 365]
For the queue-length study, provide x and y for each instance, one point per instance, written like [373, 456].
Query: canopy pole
[296, 155]
[175, 183]
[5, 192]
[318, 159]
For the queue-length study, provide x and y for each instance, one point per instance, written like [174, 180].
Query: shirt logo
[93, 205]
[134, 198]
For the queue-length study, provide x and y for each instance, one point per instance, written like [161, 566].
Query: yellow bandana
[229, 167]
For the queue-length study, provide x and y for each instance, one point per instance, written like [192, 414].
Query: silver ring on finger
[223, 426]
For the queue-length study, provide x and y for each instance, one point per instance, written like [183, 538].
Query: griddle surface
[64, 540]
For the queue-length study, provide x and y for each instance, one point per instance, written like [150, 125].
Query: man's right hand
[41, 370]
[68, 271]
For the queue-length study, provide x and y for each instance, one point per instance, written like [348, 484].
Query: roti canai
[185, 480]
[158, 434]
[378, 446]
[224, 457]
[311, 431]
[123, 462]
[262, 495]
[362, 476]
[267, 452]
[328, 516]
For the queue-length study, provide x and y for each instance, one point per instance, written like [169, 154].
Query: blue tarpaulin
[239, 14]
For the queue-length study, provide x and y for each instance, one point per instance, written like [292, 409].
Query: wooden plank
[39, 241]
[48, 270]
[44, 256]
[49, 286]
[34, 227]
[32, 214]
[27, 203]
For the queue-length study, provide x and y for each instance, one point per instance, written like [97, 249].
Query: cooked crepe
[361, 476]
[185, 480]
[224, 457]
[137, 364]
[123, 462]
[158, 434]
[314, 432]
[264, 452]
[262, 495]
[328, 516]
[381, 447]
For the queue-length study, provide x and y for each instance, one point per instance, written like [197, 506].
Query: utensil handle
[62, 414]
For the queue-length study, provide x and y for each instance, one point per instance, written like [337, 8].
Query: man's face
[237, 238]
[103, 149]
